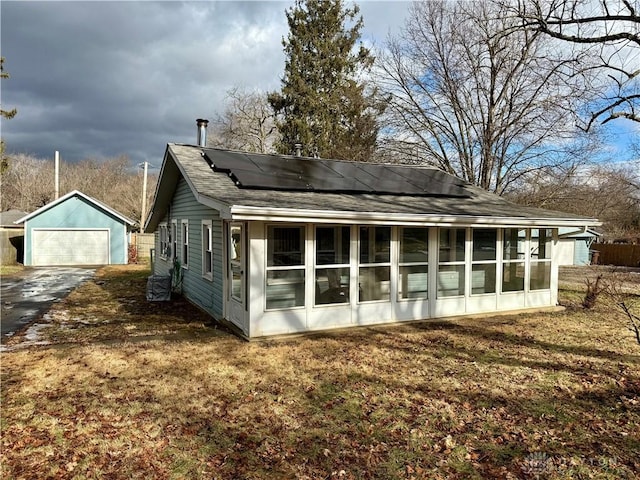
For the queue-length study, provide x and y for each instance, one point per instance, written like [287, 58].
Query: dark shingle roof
[220, 189]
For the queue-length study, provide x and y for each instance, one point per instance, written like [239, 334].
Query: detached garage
[75, 230]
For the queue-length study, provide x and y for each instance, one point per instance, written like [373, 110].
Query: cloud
[101, 79]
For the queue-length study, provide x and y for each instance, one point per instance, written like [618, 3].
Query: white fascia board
[239, 212]
[223, 208]
[65, 197]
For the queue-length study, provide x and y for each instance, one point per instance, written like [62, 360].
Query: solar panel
[273, 172]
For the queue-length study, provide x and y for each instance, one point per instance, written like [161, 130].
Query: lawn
[129, 389]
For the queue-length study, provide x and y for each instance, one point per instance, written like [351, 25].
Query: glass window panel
[450, 280]
[285, 288]
[484, 243]
[332, 285]
[185, 244]
[414, 245]
[512, 276]
[285, 246]
[540, 276]
[513, 243]
[332, 245]
[414, 281]
[374, 283]
[236, 249]
[236, 284]
[483, 278]
[452, 245]
[375, 244]
[541, 243]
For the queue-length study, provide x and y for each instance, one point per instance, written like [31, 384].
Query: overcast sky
[98, 79]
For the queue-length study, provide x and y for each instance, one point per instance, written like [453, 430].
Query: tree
[609, 193]
[4, 114]
[473, 100]
[248, 123]
[28, 183]
[324, 104]
[606, 36]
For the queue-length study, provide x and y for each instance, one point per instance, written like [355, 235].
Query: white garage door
[70, 247]
[566, 251]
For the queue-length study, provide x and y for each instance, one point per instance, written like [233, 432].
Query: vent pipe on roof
[202, 131]
[297, 149]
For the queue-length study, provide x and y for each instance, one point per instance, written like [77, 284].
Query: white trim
[184, 235]
[73, 194]
[204, 243]
[163, 252]
[240, 212]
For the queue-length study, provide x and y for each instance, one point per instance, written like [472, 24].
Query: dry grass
[10, 270]
[137, 390]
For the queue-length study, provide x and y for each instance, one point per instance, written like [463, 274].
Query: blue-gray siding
[207, 294]
[581, 251]
[76, 212]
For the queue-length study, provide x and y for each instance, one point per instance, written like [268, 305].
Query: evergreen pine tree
[322, 105]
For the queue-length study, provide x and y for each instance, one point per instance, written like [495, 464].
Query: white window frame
[346, 264]
[534, 256]
[184, 246]
[402, 264]
[493, 261]
[371, 264]
[285, 268]
[207, 248]
[163, 236]
[521, 258]
[173, 238]
[457, 264]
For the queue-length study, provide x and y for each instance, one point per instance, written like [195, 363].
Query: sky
[96, 79]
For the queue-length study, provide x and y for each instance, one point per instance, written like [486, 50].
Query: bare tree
[605, 34]
[472, 97]
[248, 123]
[610, 193]
[28, 183]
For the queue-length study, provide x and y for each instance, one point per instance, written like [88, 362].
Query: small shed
[574, 245]
[76, 230]
[11, 237]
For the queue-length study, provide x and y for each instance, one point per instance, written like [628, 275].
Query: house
[284, 244]
[574, 245]
[76, 230]
[11, 237]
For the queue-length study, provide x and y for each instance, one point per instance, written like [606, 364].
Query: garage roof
[89, 199]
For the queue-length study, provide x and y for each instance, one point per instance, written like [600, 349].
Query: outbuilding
[75, 230]
[278, 244]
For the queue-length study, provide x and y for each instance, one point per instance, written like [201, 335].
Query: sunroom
[317, 276]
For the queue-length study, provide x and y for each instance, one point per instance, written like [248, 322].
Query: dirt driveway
[31, 293]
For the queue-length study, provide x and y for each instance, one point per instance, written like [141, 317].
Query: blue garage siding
[203, 292]
[581, 252]
[77, 213]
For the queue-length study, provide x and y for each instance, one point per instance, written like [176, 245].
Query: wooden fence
[143, 242]
[11, 246]
[616, 254]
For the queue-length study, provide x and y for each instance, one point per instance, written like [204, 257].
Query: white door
[237, 261]
[69, 247]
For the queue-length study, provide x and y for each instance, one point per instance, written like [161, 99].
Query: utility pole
[143, 215]
[57, 174]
